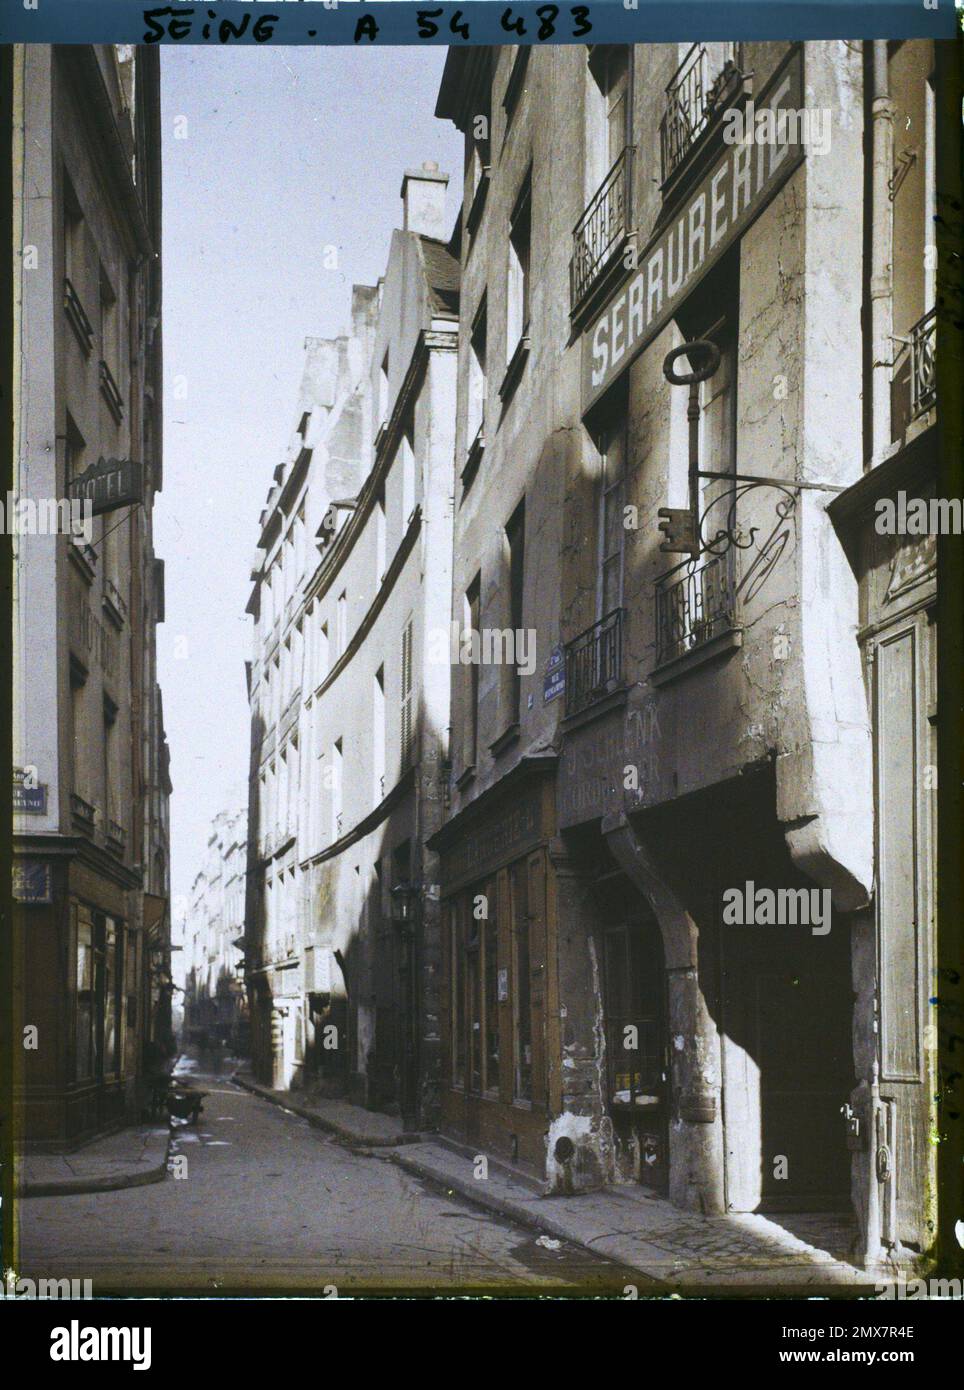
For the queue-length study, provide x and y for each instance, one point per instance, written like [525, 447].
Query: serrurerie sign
[731, 195]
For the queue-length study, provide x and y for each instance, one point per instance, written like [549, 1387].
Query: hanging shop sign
[732, 194]
[109, 484]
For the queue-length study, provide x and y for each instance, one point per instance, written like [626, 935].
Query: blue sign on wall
[554, 676]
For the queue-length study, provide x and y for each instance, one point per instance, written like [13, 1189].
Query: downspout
[882, 251]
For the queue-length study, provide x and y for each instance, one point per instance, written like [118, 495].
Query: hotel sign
[109, 484]
[716, 213]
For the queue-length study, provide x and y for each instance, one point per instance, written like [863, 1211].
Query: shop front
[498, 1014]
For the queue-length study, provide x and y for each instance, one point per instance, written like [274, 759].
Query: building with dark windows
[350, 692]
[690, 819]
[212, 967]
[91, 781]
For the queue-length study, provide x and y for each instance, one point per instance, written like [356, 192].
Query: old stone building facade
[91, 776]
[687, 732]
[212, 967]
[350, 690]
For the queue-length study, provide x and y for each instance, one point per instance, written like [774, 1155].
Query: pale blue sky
[287, 151]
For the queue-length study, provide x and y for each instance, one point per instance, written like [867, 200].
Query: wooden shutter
[407, 722]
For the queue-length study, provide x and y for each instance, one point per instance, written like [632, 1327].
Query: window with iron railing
[699, 89]
[695, 602]
[602, 229]
[594, 662]
[914, 379]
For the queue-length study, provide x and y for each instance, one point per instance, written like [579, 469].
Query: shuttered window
[407, 722]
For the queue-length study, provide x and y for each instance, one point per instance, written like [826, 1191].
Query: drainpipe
[882, 250]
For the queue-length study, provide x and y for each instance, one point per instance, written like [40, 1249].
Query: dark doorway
[634, 992]
[786, 1008]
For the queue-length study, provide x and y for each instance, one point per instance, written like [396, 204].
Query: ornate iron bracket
[683, 528]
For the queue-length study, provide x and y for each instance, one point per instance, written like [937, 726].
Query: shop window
[521, 986]
[473, 972]
[633, 975]
[491, 936]
[99, 996]
[457, 985]
[86, 1059]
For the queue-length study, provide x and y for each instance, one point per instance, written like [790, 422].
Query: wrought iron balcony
[594, 662]
[695, 602]
[693, 97]
[111, 392]
[923, 375]
[77, 316]
[602, 229]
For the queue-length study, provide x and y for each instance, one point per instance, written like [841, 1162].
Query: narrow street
[269, 1203]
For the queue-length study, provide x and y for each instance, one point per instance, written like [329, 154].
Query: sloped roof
[442, 273]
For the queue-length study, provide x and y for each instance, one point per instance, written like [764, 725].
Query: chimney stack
[423, 198]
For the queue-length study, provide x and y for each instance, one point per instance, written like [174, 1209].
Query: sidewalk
[353, 1123]
[675, 1250]
[129, 1158]
[680, 1251]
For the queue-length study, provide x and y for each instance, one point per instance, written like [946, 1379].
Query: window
[633, 993]
[341, 623]
[74, 445]
[517, 306]
[521, 985]
[108, 322]
[607, 112]
[515, 85]
[86, 1061]
[408, 475]
[378, 736]
[321, 658]
[99, 996]
[477, 379]
[407, 704]
[611, 530]
[473, 984]
[470, 624]
[112, 793]
[383, 392]
[491, 955]
[74, 236]
[379, 523]
[457, 985]
[336, 768]
[515, 534]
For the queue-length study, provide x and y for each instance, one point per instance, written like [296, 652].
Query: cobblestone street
[269, 1203]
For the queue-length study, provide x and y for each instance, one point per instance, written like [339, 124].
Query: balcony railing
[594, 662]
[84, 814]
[694, 95]
[923, 375]
[116, 837]
[602, 228]
[695, 602]
[77, 317]
[111, 392]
